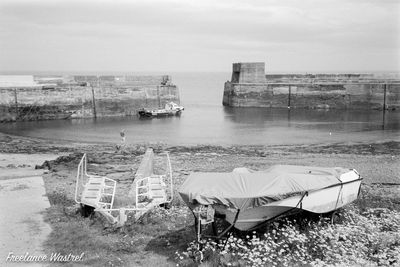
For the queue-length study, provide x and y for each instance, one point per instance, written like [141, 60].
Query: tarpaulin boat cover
[244, 188]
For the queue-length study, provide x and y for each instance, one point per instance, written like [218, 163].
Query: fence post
[16, 103]
[384, 96]
[94, 104]
[158, 96]
[384, 106]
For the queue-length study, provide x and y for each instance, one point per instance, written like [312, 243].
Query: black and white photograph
[199, 133]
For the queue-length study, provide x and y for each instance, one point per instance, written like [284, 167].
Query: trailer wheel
[199, 257]
[86, 210]
[166, 206]
[335, 217]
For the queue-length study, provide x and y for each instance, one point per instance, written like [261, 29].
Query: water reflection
[223, 125]
[342, 120]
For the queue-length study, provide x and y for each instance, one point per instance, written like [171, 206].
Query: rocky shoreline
[378, 163]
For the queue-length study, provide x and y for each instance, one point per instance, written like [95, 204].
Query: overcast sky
[167, 36]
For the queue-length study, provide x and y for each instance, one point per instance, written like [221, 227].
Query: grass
[149, 242]
[165, 237]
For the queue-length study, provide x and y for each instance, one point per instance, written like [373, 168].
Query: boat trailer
[148, 190]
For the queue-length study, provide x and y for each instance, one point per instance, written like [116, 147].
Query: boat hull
[319, 201]
[155, 114]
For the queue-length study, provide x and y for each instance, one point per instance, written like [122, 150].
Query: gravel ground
[378, 163]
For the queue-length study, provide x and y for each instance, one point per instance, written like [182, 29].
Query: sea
[206, 121]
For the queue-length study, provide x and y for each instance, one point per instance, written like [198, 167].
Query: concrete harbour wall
[322, 91]
[337, 96]
[85, 97]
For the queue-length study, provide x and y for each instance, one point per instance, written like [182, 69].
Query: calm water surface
[206, 121]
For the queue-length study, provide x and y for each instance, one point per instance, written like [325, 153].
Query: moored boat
[170, 109]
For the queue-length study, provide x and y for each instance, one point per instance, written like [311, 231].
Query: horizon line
[98, 72]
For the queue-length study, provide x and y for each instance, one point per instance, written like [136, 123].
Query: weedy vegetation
[363, 235]
[369, 238]
[366, 234]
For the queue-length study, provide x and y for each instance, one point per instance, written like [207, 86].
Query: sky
[199, 35]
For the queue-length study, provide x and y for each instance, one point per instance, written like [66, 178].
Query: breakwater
[250, 87]
[63, 97]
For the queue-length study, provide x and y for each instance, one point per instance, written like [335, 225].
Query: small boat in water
[170, 109]
[247, 199]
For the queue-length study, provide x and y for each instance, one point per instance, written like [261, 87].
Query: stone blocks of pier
[324, 96]
[250, 87]
[89, 96]
[248, 72]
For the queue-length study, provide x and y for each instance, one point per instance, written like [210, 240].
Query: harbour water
[206, 121]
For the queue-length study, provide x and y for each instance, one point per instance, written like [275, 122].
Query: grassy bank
[366, 233]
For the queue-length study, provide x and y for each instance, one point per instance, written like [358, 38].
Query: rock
[23, 166]
[121, 157]
[11, 166]
[123, 169]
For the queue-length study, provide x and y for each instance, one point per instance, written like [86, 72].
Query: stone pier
[250, 87]
[64, 97]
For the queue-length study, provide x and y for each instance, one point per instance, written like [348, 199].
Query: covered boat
[170, 109]
[247, 199]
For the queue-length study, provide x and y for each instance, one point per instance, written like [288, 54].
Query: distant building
[17, 81]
